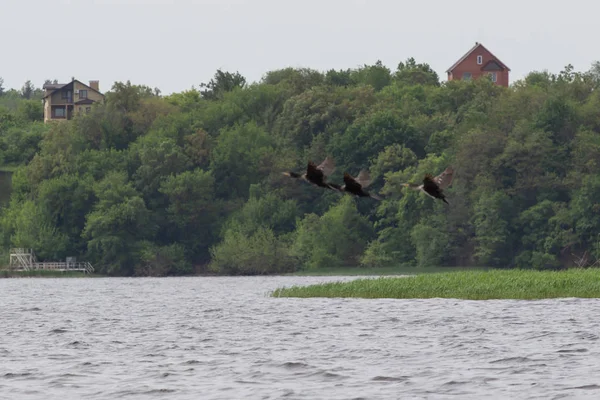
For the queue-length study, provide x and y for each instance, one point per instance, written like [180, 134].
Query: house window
[494, 77]
[83, 94]
[59, 112]
[66, 94]
[479, 60]
[467, 76]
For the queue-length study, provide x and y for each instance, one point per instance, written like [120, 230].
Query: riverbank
[5, 273]
[468, 285]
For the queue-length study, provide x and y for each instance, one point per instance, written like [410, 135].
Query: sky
[177, 44]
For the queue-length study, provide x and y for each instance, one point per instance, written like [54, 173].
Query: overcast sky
[175, 44]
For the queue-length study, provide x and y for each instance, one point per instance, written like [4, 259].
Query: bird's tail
[374, 196]
[335, 186]
[444, 200]
[292, 174]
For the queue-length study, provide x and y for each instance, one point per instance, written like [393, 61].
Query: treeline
[192, 182]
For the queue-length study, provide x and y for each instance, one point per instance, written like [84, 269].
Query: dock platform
[25, 260]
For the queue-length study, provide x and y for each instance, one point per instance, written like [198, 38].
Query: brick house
[62, 100]
[477, 62]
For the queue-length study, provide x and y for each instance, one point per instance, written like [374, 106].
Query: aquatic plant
[469, 285]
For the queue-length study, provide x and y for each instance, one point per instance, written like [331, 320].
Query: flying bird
[434, 186]
[316, 174]
[356, 186]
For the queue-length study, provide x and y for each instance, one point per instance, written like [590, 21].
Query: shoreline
[349, 271]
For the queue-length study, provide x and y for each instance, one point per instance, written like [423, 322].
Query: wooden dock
[25, 260]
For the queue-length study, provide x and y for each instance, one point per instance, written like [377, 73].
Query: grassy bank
[377, 271]
[470, 285]
[44, 274]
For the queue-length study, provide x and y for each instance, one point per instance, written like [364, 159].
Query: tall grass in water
[351, 271]
[469, 285]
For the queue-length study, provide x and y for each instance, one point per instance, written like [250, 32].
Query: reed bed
[468, 285]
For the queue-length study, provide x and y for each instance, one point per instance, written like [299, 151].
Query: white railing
[63, 266]
[88, 268]
[24, 259]
[20, 250]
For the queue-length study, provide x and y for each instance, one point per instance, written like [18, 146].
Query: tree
[1, 86]
[126, 97]
[297, 79]
[27, 90]
[492, 230]
[243, 155]
[257, 254]
[338, 238]
[166, 185]
[116, 227]
[377, 75]
[221, 83]
[411, 73]
[339, 78]
[30, 111]
[192, 212]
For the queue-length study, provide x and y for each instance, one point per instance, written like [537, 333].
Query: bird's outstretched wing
[363, 179]
[327, 166]
[444, 179]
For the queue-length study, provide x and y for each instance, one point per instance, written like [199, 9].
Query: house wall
[469, 64]
[47, 109]
[91, 94]
[56, 98]
[82, 108]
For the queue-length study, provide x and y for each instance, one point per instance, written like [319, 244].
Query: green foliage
[431, 245]
[258, 253]
[243, 155]
[117, 225]
[167, 185]
[378, 75]
[222, 82]
[192, 214]
[162, 260]
[336, 239]
[411, 73]
[491, 221]
[268, 210]
[18, 144]
[32, 228]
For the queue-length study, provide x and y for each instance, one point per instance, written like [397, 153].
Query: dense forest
[192, 182]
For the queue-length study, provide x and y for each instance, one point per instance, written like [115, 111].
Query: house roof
[492, 65]
[63, 85]
[59, 87]
[53, 86]
[468, 53]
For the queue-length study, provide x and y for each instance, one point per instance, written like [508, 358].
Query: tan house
[63, 100]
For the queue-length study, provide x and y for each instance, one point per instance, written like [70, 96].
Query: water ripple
[224, 338]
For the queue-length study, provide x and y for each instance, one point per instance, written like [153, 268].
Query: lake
[224, 338]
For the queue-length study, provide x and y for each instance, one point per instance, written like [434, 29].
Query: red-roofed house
[477, 62]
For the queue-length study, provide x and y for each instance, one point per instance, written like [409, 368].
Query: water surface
[224, 338]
